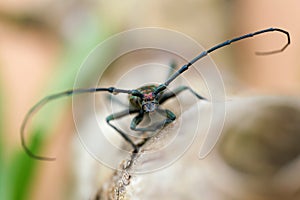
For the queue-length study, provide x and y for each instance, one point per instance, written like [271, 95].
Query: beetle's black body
[145, 100]
[139, 103]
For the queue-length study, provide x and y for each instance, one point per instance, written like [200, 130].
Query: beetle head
[149, 102]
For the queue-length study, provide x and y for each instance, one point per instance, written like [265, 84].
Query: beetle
[144, 100]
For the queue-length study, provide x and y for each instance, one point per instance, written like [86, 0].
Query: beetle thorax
[149, 97]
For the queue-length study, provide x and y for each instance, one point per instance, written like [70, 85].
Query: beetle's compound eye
[137, 93]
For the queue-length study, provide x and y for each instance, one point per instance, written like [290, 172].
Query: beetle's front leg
[170, 117]
[178, 90]
[124, 135]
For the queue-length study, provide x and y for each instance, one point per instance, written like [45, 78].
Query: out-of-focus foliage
[18, 171]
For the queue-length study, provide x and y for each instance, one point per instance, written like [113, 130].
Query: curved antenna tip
[30, 154]
[279, 50]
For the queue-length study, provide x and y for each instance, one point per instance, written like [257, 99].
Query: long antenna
[49, 98]
[228, 42]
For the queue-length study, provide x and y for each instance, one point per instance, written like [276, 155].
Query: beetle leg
[124, 135]
[170, 117]
[136, 120]
[178, 90]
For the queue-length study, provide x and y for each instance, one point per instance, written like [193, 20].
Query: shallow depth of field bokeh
[43, 43]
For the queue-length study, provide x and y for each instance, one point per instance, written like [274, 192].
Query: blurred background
[43, 43]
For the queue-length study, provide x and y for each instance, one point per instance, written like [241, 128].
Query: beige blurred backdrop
[33, 36]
